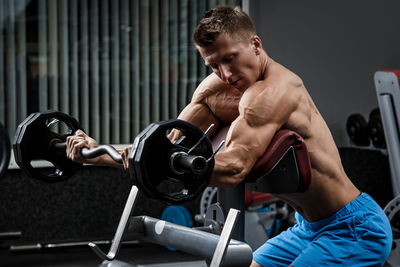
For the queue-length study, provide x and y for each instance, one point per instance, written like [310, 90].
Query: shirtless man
[336, 223]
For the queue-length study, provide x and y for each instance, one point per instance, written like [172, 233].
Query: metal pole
[84, 66]
[74, 51]
[193, 65]
[164, 57]
[105, 72]
[135, 67]
[234, 198]
[53, 54]
[155, 60]
[2, 65]
[174, 56]
[11, 122]
[144, 63]
[115, 81]
[94, 70]
[21, 61]
[64, 55]
[183, 53]
[124, 65]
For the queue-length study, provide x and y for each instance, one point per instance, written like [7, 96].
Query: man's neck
[265, 61]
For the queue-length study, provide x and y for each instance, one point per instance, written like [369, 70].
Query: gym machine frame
[387, 84]
[388, 94]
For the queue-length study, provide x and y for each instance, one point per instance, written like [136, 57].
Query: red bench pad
[282, 141]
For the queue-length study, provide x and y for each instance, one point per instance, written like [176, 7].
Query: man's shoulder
[278, 82]
[279, 75]
[271, 97]
[259, 94]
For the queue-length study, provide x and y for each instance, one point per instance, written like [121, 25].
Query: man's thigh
[331, 248]
[281, 250]
[359, 244]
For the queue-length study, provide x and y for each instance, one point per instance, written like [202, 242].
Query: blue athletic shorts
[357, 235]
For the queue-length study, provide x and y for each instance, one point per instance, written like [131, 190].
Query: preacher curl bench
[284, 168]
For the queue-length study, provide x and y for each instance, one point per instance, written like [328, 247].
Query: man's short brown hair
[223, 19]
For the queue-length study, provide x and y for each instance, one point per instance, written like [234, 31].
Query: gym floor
[75, 210]
[142, 254]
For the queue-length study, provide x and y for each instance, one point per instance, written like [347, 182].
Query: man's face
[233, 61]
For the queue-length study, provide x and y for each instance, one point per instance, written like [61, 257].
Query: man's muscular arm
[200, 115]
[198, 111]
[244, 145]
[263, 111]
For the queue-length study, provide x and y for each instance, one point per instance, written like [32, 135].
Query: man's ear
[256, 44]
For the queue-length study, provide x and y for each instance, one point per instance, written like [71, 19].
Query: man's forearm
[228, 170]
[106, 160]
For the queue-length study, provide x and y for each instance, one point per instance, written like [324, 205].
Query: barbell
[172, 172]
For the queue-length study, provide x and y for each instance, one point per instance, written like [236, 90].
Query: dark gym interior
[336, 47]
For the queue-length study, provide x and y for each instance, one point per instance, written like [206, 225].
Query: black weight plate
[376, 133]
[33, 141]
[150, 161]
[357, 129]
[5, 150]
[136, 174]
[18, 135]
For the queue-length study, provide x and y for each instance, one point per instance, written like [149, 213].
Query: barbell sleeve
[181, 161]
[94, 152]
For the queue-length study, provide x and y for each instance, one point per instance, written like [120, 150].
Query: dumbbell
[375, 128]
[357, 129]
[153, 160]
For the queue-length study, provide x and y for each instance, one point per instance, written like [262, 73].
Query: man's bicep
[251, 140]
[245, 144]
